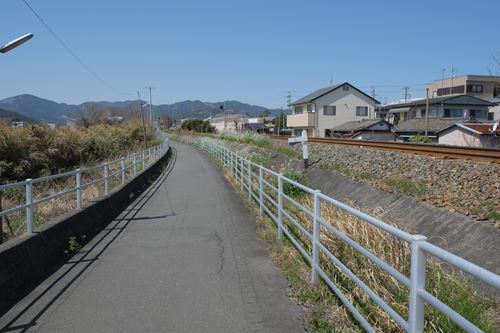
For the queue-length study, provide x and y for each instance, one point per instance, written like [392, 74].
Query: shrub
[419, 138]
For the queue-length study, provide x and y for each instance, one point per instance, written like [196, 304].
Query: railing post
[78, 176]
[316, 238]
[135, 164]
[416, 315]
[241, 174]
[261, 191]
[106, 178]
[122, 165]
[280, 206]
[249, 178]
[29, 207]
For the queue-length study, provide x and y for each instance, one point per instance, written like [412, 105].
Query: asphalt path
[184, 257]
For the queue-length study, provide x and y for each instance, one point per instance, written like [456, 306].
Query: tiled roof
[434, 125]
[356, 125]
[323, 91]
[445, 101]
[482, 128]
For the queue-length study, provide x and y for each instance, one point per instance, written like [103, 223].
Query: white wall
[345, 103]
[459, 137]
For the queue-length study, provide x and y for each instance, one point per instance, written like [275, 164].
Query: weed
[494, 215]
[73, 246]
[287, 151]
[367, 175]
[407, 186]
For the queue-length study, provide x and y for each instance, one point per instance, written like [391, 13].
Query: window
[443, 91]
[310, 108]
[361, 111]
[298, 109]
[479, 114]
[457, 90]
[475, 88]
[329, 110]
[454, 113]
[328, 133]
[345, 87]
[496, 92]
[434, 113]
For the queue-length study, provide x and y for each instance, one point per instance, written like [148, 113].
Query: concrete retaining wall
[27, 261]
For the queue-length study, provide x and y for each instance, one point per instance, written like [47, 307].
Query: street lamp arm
[15, 43]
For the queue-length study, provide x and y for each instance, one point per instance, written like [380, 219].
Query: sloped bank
[27, 261]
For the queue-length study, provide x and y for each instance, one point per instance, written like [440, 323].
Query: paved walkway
[184, 257]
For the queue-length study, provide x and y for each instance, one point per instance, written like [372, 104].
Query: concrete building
[229, 122]
[480, 86]
[329, 107]
[373, 129]
[460, 106]
[471, 135]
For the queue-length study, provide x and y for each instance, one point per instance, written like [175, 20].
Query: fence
[266, 188]
[119, 168]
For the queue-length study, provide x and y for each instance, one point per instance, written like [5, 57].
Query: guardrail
[131, 164]
[256, 184]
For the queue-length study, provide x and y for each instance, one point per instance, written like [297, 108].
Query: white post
[305, 150]
[280, 206]
[135, 164]
[241, 174]
[78, 189]
[261, 191]
[417, 281]
[249, 178]
[316, 238]
[29, 207]
[106, 180]
[122, 164]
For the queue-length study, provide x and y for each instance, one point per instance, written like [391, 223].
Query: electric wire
[66, 47]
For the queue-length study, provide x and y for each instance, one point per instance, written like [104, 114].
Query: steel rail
[467, 153]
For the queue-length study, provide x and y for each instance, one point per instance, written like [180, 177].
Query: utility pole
[373, 96]
[143, 124]
[453, 70]
[426, 111]
[151, 116]
[406, 88]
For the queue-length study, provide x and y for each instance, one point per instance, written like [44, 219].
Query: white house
[329, 107]
[471, 135]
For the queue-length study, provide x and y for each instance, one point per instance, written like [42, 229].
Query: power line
[66, 47]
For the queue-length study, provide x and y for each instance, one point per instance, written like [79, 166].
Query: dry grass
[323, 311]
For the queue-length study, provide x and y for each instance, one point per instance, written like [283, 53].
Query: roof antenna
[331, 78]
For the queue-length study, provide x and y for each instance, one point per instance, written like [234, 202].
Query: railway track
[466, 153]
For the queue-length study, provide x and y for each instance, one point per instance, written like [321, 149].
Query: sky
[252, 51]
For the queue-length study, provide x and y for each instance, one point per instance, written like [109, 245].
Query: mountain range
[44, 110]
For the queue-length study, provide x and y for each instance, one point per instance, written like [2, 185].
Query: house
[372, 129]
[260, 125]
[460, 106]
[326, 108]
[225, 122]
[471, 135]
[480, 86]
[405, 130]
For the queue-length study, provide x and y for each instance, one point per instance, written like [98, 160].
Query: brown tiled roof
[482, 128]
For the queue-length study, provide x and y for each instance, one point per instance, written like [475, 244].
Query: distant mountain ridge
[45, 110]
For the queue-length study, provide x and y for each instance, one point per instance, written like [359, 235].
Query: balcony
[300, 120]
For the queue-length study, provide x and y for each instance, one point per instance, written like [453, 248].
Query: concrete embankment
[27, 261]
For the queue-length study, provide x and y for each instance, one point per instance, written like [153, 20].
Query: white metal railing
[123, 165]
[256, 184]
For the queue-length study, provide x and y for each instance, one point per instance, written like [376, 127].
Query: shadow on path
[119, 224]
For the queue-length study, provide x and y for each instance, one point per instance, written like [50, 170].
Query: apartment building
[481, 86]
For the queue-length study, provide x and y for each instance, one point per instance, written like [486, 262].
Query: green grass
[287, 151]
[367, 175]
[335, 167]
[494, 215]
[407, 186]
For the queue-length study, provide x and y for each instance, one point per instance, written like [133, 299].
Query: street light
[15, 43]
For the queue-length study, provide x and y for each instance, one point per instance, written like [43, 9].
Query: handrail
[241, 169]
[148, 156]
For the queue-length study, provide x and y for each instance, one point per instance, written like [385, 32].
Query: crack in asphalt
[221, 253]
